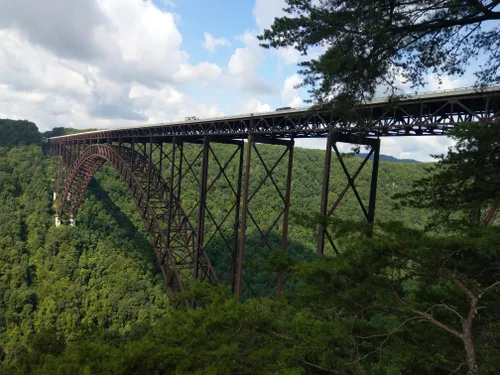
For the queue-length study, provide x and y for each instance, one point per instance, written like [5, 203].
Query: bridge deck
[427, 114]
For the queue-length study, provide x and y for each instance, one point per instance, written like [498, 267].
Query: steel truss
[426, 115]
[327, 211]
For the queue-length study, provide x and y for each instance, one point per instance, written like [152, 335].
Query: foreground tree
[370, 43]
[413, 303]
[464, 185]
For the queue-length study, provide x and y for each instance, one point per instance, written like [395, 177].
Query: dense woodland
[90, 300]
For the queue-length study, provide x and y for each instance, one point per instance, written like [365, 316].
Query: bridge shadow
[128, 229]
[262, 266]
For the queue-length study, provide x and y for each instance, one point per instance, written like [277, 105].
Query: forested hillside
[89, 299]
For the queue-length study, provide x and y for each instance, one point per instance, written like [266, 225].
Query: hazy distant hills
[389, 158]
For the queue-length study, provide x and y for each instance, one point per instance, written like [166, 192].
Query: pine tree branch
[428, 317]
[488, 288]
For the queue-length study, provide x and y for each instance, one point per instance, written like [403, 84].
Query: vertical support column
[58, 181]
[150, 157]
[244, 216]
[373, 186]
[284, 236]
[201, 208]
[236, 226]
[324, 192]
[171, 193]
[181, 162]
[132, 144]
[160, 165]
[60, 158]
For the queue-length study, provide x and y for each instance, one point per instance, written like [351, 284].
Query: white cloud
[81, 64]
[127, 40]
[169, 104]
[289, 94]
[211, 43]
[169, 3]
[68, 28]
[203, 72]
[289, 55]
[244, 63]
[253, 106]
[445, 83]
[418, 148]
[265, 11]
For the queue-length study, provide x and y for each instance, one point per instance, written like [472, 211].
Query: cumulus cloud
[211, 43]
[289, 55]
[254, 106]
[69, 28]
[418, 148]
[289, 94]
[445, 83]
[244, 63]
[265, 11]
[79, 64]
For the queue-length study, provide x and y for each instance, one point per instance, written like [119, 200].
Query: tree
[413, 303]
[368, 43]
[466, 180]
[18, 132]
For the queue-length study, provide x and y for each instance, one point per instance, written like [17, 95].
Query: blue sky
[114, 63]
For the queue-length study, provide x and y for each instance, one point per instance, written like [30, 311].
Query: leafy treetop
[372, 42]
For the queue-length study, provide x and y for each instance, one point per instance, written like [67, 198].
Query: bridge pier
[249, 193]
[325, 212]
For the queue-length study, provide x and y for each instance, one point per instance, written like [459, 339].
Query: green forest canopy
[89, 299]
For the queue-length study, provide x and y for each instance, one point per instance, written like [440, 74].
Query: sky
[118, 63]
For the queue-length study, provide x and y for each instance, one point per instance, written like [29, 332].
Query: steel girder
[172, 235]
[411, 117]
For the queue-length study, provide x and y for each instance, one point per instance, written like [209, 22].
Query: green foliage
[368, 43]
[466, 181]
[66, 281]
[18, 132]
[90, 300]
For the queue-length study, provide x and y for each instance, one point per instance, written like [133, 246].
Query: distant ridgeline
[24, 132]
[18, 132]
[389, 158]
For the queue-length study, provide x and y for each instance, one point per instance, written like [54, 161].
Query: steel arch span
[172, 235]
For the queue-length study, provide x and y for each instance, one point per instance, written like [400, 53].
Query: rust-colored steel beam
[324, 192]
[284, 235]
[244, 215]
[202, 205]
[175, 254]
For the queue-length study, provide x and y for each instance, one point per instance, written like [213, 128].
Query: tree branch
[316, 366]
[488, 288]
[429, 318]
[443, 23]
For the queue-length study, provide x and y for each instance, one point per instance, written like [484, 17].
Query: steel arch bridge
[152, 162]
